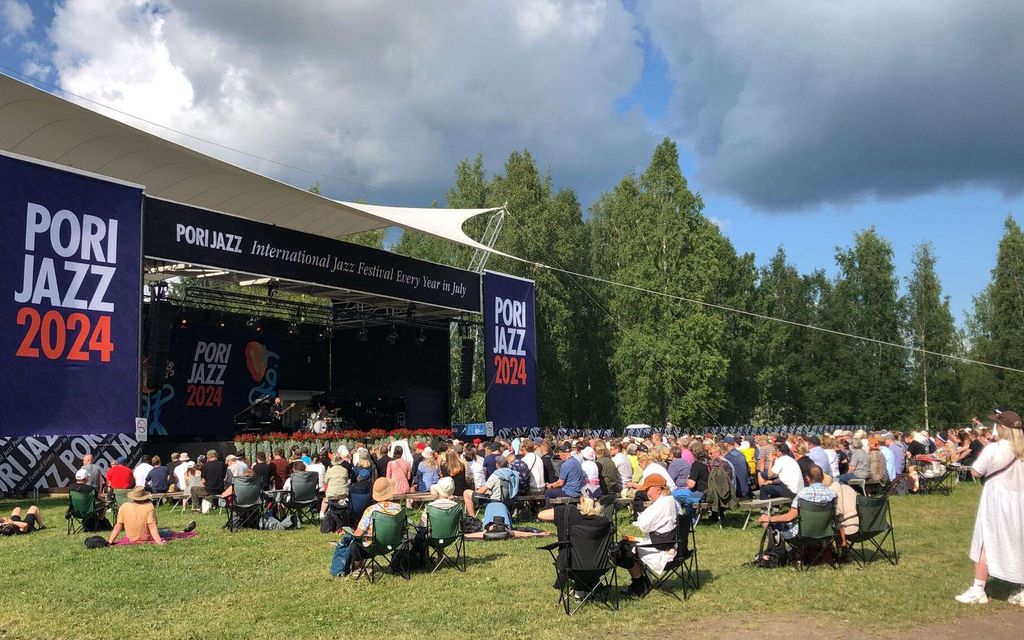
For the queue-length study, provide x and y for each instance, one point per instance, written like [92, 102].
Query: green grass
[258, 584]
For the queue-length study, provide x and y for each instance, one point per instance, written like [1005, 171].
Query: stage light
[420, 339]
[363, 335]
[251, 322]
[392, 337]
[184, 322]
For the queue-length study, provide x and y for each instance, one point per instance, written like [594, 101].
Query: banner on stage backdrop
[70, 280]
[182, 233]
[212, 374]
[510, 351]
[50, 462]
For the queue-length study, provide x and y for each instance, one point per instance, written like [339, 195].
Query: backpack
[471, 525]
[772, 552]
[523, 472]
[337, 517]
[95, 542]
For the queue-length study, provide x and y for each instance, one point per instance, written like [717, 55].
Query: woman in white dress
[997, 547]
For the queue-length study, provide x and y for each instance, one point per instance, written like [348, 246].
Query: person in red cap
[997, 546]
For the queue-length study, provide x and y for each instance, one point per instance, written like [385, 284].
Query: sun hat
[446, 487]
[81, 475]
[139, 495]
[183, 457]
[588, 453]
[343, 451]
[383, 489]
[427, 451]
[653, 480]
[212, 453]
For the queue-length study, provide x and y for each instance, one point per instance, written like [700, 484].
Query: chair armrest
[553, 546]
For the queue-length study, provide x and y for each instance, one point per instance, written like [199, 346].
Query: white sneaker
[974, 595]
[1017, 598]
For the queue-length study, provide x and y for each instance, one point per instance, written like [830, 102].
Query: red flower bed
[348, 434]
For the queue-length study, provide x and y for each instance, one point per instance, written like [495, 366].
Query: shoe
[1016, 598]
[189, 527]
[579, 595]
[974, 595]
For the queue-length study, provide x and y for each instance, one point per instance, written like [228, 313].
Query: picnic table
[757, 505]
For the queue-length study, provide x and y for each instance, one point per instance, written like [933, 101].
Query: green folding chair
[83, 508]
[444, 531]
[816, 534]
[875, 527]
[390, 535]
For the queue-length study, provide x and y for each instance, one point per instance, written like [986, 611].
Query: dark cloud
[790, 105]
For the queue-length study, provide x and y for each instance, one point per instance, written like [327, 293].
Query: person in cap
[571, 478]
[93, 470]
[997, 546]
[119, 476]
[658, 523]
[137, 519]
[493, 451]
[84, 487]
[181, 472]
[816, 453]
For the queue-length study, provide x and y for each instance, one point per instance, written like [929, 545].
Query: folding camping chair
[82, 509]
[875, 520]
[683, 564]
[816, 532]
[585, 563]
[390, 535]
[303, 499]
[246, 504]
[939, 483]
[444, 531]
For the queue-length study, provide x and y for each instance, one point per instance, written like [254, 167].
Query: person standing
[997, 546]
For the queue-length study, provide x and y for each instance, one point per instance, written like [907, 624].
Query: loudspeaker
[157, 342]
[466, 368]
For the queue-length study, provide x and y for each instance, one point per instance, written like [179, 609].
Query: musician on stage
[277, 412]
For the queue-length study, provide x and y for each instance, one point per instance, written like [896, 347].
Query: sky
[799, 123]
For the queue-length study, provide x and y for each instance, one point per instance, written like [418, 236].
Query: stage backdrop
[70, 281]
[510, 351]
[212, 374]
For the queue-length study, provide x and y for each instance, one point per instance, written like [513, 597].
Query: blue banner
[70, 280]
[510, 351]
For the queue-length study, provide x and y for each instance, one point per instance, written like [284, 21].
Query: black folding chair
[246, 504]
[585, 564]
[303, 499]
[816, 534]
[875, 527]
[683, 564]
[939, 483]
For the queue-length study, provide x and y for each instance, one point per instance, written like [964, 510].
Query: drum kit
[322, 421]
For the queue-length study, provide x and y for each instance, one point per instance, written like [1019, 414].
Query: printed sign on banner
[510, 351]
[70, 282]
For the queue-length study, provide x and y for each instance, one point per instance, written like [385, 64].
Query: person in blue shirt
[570, 477]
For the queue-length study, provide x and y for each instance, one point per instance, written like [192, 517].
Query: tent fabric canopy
[40, 125]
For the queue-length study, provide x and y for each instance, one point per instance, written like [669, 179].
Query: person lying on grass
[138, 520]
[16, 525]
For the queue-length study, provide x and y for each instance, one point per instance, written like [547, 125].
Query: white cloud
[790, 104]
[16, 17]
[360, 90]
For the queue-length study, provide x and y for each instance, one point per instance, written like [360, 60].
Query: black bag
[772, 552]
[411, 556]
[95, 542]
[336, 518]
[470, 525]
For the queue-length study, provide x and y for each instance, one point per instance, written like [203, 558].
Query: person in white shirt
[321, 470]
[536, 467]
[592, 488]
[141, 471]
[658, 522]
[623, 466]
[785, 479]
[181, 470]
[476, 468]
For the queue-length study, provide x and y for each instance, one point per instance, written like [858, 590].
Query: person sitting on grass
[658, 523]
[815, 491]
[16, 525]
[138, 520]
[383, 492]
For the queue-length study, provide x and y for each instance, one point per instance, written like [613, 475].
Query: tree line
[611, 355]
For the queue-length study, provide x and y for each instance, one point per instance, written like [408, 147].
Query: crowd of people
[659, 476]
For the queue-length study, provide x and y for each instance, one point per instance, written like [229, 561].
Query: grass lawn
[258, 584]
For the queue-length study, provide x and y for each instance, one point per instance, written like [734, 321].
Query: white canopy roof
[40, 125]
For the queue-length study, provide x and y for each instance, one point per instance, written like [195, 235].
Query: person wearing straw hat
[138, 520]
[383, 492]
